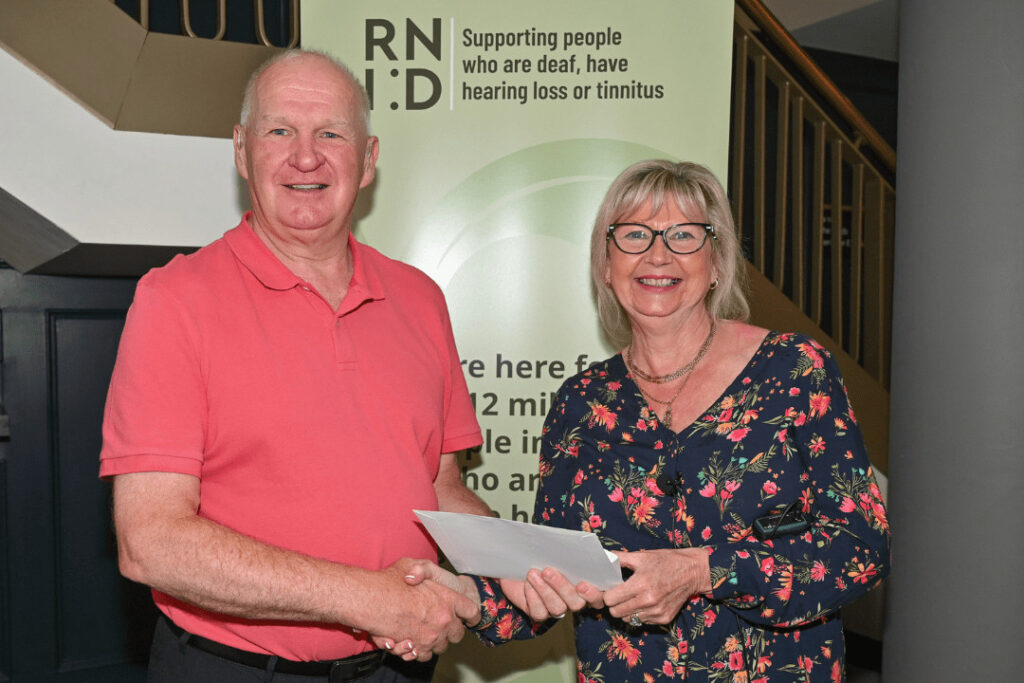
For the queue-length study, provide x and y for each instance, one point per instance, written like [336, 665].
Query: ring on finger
[635, 620]
[559, 616]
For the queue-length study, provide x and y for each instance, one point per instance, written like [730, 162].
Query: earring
[714, 285]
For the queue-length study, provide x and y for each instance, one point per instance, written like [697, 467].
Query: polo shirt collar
[250, 250]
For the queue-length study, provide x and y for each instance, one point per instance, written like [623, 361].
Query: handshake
[435, 606]
[431, 607]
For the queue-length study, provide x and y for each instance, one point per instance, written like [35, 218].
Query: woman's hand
[546, 594]
[662, 582]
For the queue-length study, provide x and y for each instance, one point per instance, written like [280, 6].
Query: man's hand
[431, 616]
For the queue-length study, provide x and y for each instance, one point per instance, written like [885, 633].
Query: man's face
[304, 151]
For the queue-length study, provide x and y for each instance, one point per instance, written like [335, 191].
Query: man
[282, 400]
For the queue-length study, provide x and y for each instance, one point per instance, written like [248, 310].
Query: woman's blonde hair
[698, 193]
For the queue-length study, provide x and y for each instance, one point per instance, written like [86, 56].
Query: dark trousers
[171, 660]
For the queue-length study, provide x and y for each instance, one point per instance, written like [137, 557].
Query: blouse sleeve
[795, 579]
[502, 621]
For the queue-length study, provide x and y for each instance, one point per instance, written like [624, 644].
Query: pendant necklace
[686, 369]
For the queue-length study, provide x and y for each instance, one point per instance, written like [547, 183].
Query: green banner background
[491, 186]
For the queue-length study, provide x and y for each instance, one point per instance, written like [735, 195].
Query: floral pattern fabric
[782, 433]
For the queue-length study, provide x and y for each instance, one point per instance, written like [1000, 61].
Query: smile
[312, 186]
[658, 281]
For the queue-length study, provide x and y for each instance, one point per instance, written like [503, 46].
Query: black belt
[336, 671]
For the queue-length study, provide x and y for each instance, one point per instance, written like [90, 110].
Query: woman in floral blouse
[670, 450]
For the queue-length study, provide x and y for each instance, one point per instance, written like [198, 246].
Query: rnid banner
[501, 126]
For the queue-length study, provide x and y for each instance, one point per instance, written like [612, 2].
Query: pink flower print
[812, 354]
[800, 419]
[818, 570]
[578, 479]
[737, 435]
[706, 534]
[880, 516]
[602, 415]
[623, 649]
[709, 618]
[595, 521]
[614, 386]
[819, 404]
[768, 565]
[507, 626]
[794, 391]
[770, 488]
[616, 495]
[644, 509]
[709, 489]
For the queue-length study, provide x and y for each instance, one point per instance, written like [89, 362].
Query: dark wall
[871, 84]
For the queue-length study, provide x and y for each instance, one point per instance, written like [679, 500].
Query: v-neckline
[744, 371]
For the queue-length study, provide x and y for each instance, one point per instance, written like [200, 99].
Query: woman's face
[660, 286]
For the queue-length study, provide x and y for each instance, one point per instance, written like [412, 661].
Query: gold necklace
[661, 379]
[667, 420]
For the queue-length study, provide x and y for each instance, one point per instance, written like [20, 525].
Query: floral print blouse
[783, 432]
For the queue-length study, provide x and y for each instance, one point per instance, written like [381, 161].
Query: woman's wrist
[467, 586]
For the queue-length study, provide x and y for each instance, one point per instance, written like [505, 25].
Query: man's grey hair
[249, 98]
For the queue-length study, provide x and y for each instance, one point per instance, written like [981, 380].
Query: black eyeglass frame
[708, 230]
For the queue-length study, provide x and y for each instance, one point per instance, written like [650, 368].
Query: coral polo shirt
[309, 429]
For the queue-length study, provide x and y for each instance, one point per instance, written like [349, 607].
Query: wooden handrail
[767, 22]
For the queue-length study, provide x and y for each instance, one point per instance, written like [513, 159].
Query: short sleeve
[155, 414]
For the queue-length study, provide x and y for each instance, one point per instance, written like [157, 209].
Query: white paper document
[504, 549]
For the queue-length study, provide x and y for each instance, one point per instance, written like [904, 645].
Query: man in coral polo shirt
[282, 400]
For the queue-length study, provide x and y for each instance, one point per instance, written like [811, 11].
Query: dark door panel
[67, 613]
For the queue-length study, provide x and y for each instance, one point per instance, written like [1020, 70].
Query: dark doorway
[67, 613]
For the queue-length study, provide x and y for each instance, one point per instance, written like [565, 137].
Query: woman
[673, 448]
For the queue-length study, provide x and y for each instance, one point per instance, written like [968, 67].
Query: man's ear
[240, 161]
[370, 161]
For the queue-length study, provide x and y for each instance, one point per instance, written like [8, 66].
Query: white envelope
[504, 549]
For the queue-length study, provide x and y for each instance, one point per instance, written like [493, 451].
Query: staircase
[812, 189]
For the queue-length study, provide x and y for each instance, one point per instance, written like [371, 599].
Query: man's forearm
[452, 493]
[164, 544]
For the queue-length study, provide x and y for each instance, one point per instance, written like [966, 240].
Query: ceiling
[868, 28]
